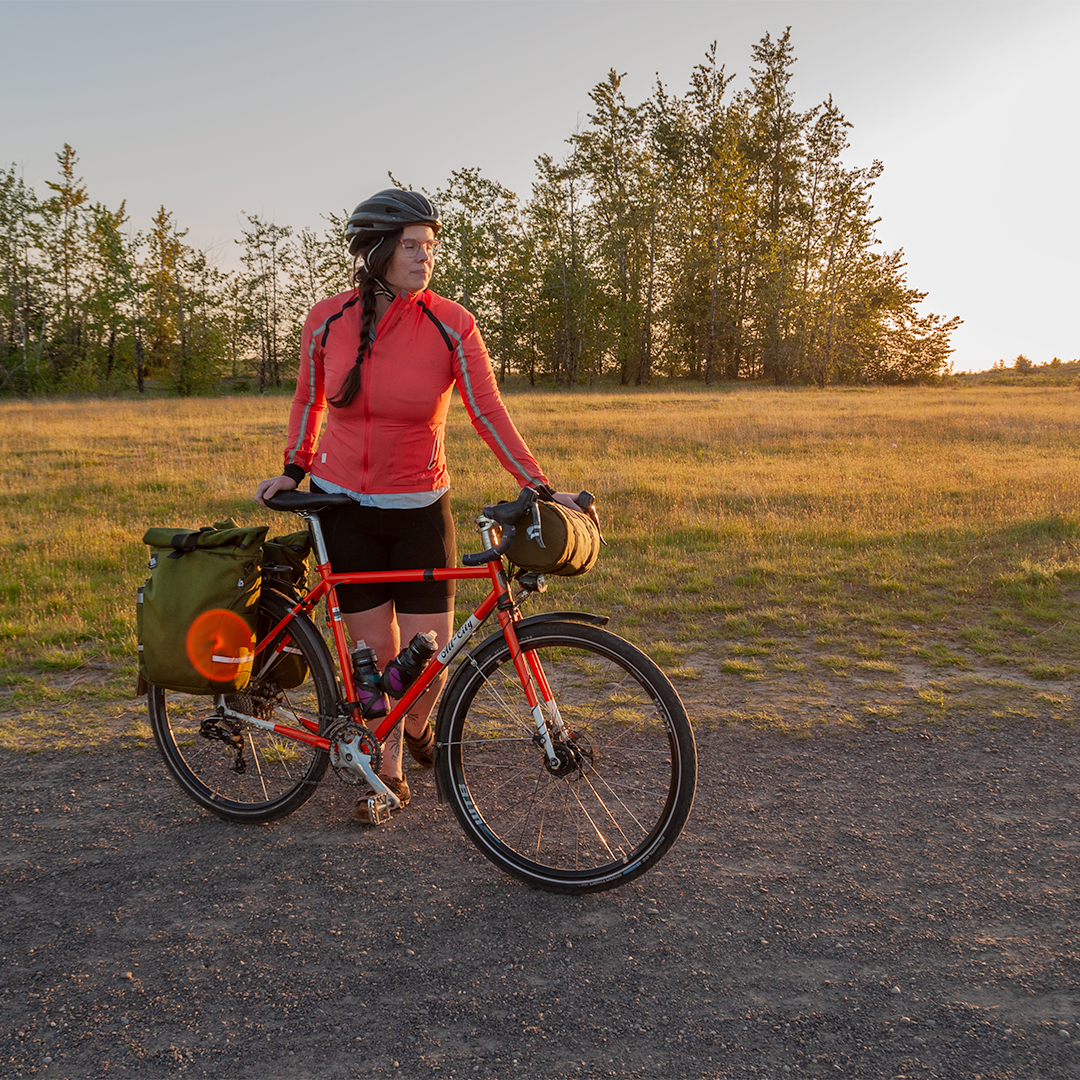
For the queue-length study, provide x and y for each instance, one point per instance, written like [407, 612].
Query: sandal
[422, 749]
[399, 787]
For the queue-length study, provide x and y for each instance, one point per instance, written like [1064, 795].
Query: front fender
[564, 616]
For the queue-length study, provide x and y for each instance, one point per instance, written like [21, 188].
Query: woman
[385, 358]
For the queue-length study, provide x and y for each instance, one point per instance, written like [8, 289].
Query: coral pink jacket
[391, 438]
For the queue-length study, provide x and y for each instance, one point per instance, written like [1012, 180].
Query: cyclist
[379, 363]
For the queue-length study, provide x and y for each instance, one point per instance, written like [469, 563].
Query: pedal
[378, 809]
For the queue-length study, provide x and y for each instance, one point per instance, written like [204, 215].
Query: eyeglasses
[412, 247]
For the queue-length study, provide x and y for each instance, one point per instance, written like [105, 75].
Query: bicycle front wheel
[233, 768]
[624, 784]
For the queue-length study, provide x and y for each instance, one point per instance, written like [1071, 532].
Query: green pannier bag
[212, 569]
[285, 562]
[571, 543]
[285, 557]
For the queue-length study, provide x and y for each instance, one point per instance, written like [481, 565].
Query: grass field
[791, 557]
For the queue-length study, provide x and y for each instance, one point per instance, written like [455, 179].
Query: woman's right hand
[271, 487]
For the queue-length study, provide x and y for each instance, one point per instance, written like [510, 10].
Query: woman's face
[411, 272]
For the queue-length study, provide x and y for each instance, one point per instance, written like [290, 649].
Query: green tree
[164, 308]
[24, 307]
[774, 148]
[204, 330]
[701, 179]
[322, 266]
[615, 162]
[63, 241]
[560, 339]
[883, 338]
[119, 254]
[269, 257]
[478, 261]
[107, 323]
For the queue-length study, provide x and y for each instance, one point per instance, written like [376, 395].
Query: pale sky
[292, 109]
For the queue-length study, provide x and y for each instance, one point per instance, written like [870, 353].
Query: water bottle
[366, 675]
[405, 668]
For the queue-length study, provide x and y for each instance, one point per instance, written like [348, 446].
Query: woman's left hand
[567, 499]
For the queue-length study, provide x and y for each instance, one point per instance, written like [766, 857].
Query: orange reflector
[218, 643]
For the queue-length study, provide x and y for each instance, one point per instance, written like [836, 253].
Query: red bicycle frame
[529, 671]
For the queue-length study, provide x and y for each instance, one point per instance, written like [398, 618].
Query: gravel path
[863, 905]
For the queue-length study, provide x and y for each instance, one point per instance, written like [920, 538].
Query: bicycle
[565, 752]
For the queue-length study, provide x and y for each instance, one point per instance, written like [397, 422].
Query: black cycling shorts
[373, 538]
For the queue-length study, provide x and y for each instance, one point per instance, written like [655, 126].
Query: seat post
[318, 544]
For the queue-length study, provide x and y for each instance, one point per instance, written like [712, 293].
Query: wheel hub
[574, 755]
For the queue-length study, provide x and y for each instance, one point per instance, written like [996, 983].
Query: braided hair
[373, 255]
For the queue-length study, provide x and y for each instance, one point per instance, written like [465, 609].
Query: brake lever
[533, 532]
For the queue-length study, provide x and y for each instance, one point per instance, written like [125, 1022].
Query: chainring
[347, 729]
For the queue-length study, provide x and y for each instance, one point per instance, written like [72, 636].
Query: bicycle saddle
[298, 501]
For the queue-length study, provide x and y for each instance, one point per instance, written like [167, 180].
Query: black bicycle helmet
[386, 212]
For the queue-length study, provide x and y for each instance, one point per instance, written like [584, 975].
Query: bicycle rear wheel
[625, 783]
[233, 768]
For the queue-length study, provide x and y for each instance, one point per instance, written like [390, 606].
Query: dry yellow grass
[758, 532]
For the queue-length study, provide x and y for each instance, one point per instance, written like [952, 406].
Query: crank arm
[347, 754]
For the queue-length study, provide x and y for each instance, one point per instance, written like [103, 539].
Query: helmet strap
[367, 257]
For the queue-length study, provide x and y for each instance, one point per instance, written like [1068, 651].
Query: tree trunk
[644, 373]
[710, 350]
[183, 381]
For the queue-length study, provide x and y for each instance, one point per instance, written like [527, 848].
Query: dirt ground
[863, 904]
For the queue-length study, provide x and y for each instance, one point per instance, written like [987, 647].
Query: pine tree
[66, 263]
[24, 309]
[562, 341]
[773, 146]
[268, 258]
[617, 168]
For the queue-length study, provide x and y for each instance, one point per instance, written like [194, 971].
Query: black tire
[616, 809]
[237, 770]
